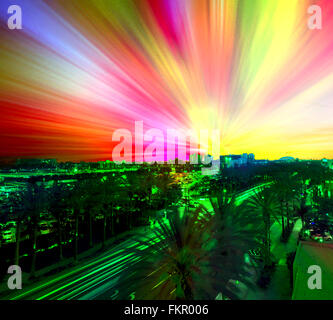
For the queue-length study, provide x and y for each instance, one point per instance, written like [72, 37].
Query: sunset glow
[249, 68]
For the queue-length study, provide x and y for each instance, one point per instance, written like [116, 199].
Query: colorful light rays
[78, 70]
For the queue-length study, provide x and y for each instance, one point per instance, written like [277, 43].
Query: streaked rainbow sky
[252, 69]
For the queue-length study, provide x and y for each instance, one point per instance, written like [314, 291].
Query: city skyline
[13, 160]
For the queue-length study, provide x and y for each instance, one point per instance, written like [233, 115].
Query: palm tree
[303, 211]
[106, 205]
[174, 255]
[97, 197]
[164, 182]
[18, 240]
[76, 200]
[280, 192]
[35, 200]
[223, 202]
[147, 183]
[58, 207]
[291, 195]
[106, 214]
[92, 204]
[129, 193]
[264, 203]
[20, 207]
[287, 187]
[189, 247]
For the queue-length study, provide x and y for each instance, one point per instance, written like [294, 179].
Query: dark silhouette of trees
[264, 203]
[195, 255]
[35, 202]
[58, 209]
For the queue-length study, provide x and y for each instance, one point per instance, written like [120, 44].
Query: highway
[97, 278]
[94, 279]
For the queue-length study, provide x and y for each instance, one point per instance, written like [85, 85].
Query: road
[97, 278]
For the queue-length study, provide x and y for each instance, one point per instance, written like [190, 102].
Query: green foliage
[194, 255]
[264, 204]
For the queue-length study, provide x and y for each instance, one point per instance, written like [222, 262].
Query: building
[318, 255]
[236, 161]
[251, 158]
[200, 158]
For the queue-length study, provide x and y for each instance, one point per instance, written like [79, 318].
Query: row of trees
[195, 254]
[199, 244]
[287, 198]
[200, 252]
[122, 200]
